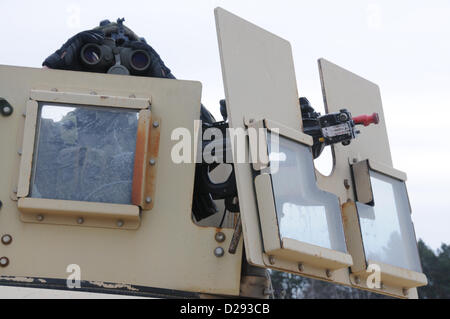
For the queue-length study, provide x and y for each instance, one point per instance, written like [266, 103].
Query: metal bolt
[357, 280]
[405, 291]
[6, 239]
[220, 237]
[329, 273]
[156, 124]
[40, 218]
[4, 261]
[120, 223]
[346, 184]
[272, 260]
[80, 220]
[300, 267]
[219, 252]
[148, 200]
[355, 160]
[7, 110]
[152, 162]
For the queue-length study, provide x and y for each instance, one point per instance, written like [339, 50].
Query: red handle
[366, 120]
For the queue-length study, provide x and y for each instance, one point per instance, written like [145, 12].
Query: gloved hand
[157, 67]
[67, 58]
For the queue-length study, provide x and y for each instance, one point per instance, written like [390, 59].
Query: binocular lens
[91, 54]
[140, 60]
[100, 58]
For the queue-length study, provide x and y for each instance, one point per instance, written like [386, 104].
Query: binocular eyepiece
[117, 60]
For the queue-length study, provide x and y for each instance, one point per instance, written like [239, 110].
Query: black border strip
[86, 286]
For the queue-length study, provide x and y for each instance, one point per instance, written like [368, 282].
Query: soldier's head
[109, 48]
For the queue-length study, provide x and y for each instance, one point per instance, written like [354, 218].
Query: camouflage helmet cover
[109, 28]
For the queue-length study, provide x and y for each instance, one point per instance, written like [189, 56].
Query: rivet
[300, 267]
[40, 218]
[120, 223]
[346, 184]
[272, 260]
[4, 261]
[357, 280]
[156, 124]
[219, 252]
[355, 160]
[329, 273]
[6, 239]
[148, 200]
[152, 162]
[220, 237]
[405, 291]
[80, 220]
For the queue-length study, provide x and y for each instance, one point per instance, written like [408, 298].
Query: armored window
[304, 212]
[84, 153]
[386, 227]
[85, 160]
[299, 221]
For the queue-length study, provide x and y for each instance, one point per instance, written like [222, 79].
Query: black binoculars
[109, 58]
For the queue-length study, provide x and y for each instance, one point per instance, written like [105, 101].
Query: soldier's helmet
[114, 29]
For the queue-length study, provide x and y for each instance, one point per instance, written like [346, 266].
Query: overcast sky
[403, 46]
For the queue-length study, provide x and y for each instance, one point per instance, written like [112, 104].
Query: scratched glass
[84, 153]
[387, 229]
[305, 212]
